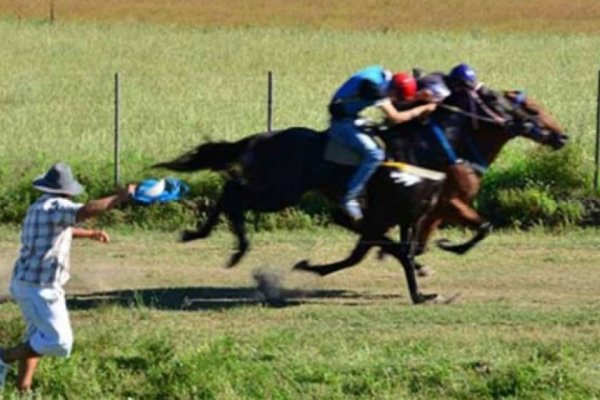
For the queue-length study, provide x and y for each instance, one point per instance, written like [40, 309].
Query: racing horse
[526, 118]
[477, 140]
[269, 172]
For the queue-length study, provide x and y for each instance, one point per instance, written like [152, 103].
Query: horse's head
[531, 120]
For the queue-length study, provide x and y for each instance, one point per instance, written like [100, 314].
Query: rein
[457, 110]
[480, 165]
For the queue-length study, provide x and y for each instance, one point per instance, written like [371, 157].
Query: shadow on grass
[207, 298]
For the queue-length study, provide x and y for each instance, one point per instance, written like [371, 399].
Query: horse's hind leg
[360, 251]
[238, 224]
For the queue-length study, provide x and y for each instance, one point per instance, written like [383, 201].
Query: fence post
[117, 148]
[597, 136]
[270, 102]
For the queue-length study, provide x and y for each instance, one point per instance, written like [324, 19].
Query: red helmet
[404, 85]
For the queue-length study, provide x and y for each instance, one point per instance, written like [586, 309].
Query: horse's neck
[481, 143]
[489, 142]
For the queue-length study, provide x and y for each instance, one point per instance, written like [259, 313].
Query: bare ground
[533, 268]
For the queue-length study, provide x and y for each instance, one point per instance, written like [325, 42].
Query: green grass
[525, 326]
[179, 84]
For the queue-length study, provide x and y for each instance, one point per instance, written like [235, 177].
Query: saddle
[337, 153]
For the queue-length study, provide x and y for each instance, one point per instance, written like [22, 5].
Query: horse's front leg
[203, 230]
[466, 215]
[234, 206]
[426, 226]
[404, 252]
[231, 204]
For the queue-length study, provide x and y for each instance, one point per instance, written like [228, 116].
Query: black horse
[269, 172]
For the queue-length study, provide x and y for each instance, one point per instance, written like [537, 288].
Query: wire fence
[139, 104]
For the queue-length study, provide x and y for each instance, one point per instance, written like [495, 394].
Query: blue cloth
[174, 190]
[352, 97]
[346, 132]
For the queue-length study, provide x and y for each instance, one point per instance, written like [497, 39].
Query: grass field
[526, 324]
[181, 83]
[155, 319]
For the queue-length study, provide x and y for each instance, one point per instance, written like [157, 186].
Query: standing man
[372, 86]
[42, 268]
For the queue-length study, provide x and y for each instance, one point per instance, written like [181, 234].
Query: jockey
[462, 78]
[372, 86]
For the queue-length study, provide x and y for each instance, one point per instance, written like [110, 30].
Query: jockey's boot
[353, 209]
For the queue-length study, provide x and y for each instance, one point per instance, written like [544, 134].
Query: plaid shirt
[46, 241]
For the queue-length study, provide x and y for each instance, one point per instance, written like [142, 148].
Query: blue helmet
[463, 74]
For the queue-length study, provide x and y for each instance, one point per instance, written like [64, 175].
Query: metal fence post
[117, 148]
[270, 102]
[597, 136]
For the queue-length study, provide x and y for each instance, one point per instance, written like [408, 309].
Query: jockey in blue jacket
[372, 86]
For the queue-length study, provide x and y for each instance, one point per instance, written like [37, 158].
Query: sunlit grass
[526, 324]
[179, 84]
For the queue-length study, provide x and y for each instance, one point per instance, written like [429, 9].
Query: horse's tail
[216, 156]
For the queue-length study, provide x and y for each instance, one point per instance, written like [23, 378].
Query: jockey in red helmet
[372, 86]
[403, 86]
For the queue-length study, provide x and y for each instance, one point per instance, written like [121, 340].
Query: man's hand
[126, 192]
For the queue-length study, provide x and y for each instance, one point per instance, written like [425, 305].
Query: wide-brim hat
[58, 180]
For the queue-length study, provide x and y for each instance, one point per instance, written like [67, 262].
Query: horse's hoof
[425, 298]
[235, 259]
[434, 298]
[306, 267]
[302, 266]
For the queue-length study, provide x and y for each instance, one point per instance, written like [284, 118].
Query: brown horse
[464, 180]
